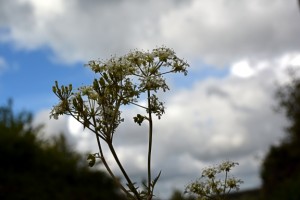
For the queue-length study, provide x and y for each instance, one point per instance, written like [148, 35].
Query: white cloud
[215, 120]
[52, 127]
[218, 32]
[223, 31]
[242, 69]
[74, 127]
[295, 60]
[45, 9]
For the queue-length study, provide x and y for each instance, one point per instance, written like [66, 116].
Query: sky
[238, 51]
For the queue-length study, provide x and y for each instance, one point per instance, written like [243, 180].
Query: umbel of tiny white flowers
[209, 187]
[121, 81]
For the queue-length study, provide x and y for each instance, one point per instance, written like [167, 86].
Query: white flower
[57, 110]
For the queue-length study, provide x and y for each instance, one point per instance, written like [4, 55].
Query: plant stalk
[149, 145]
[106, 165]
[130, 184]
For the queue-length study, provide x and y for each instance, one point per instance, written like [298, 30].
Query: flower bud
[54, 89]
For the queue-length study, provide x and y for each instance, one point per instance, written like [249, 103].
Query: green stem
[225, 182]
[130, 184]
[108, 168]
[106, 165]
[138, 105]
[150, 144]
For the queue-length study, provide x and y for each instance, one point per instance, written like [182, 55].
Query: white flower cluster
[141, 63]
[57, 110]
[117, 82]
[122, 81]
[89, 92]
[208, 187]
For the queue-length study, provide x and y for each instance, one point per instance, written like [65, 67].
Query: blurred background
[239, 101]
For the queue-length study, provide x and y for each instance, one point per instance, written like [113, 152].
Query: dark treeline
[281, 168]
[32, 168]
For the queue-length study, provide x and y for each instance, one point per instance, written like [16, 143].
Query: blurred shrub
[34, 169]
[280, 170]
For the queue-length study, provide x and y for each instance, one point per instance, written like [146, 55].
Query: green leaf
[54, 89]
[156, 179]
[139, 119]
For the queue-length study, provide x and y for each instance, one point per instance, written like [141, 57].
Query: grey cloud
[225, 31]
[15, 13]
[130, 133]
[200, 129]
[86, 30]
[218, 32]
[216, 119]
[213, 90]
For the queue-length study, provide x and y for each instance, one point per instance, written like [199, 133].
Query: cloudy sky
[238, 53]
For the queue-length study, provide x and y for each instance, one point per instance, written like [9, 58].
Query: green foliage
[210, 187]
[280, 170]
[280, 173]
[288, 99]
[35, 169]
[122, 81]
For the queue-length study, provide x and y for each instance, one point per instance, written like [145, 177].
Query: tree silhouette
[280, 170]
[35, 169]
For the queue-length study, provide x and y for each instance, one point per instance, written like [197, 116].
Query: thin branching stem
[158, 65]
[225, 182]
[138, 105]
[109, 170]
[115, 114]
[150, 143]
[141, 70]
[105, 163]
[130, 184]
[135, 74]
[166, 72]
